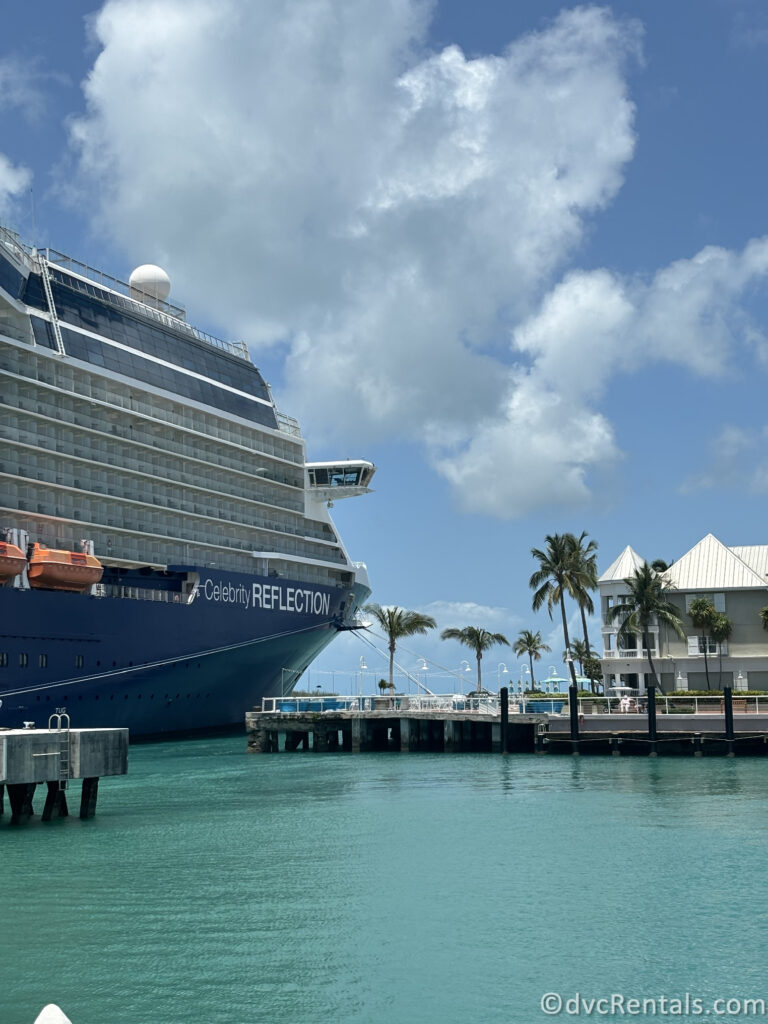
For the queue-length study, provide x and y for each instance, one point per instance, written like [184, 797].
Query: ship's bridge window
[345, 477]
[23, 660]
[336, 476]
[3, 659]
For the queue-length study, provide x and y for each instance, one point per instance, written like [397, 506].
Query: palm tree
[703, 613]
[579, 651]
[530, 643]
[398, 623]
[646, 600]
[584, 578]
[555, 577]
[478, 640]
[764, 616]
[721, 630]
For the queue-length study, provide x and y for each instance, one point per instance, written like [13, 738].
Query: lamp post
[362, 667]
[463, 667]
[423, 667]
[501, 670]
[523, 670]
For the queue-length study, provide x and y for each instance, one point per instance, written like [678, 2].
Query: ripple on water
[213, 886]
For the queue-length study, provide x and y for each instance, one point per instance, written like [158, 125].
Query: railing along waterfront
[675, 704]
[550, 704]
[485, 705]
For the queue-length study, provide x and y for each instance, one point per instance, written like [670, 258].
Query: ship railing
[288, 424]
[168, 315]
[14, 244]
[113, 283]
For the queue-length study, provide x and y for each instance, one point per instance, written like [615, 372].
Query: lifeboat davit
[12, 561]
[62, 570]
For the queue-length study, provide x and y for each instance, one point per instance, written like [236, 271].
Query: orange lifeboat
[62, 570]
[12, 561]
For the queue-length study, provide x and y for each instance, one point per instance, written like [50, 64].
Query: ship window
[79, 661]
[3, 659]
[43, 661]
[23, 660]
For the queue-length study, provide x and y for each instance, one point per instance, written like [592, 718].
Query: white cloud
[736, 461]
[14, 180]
[17, 90]
[389, 217]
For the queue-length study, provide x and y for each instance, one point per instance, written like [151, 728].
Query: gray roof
[710, 565]
[756, 557]
[623, 567]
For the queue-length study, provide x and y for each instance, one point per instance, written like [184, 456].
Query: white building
[735, 580]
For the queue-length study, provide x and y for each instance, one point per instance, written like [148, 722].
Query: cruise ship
[167, 557]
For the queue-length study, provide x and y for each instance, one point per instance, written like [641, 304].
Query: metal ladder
[51, 306]
[60, 721]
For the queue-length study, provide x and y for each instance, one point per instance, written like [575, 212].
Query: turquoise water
[214, 886]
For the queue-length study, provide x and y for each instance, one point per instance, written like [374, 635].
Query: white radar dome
[149, 282]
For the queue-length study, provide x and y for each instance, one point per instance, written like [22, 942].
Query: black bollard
[504, 694]
[573, 707]
[728, 704]
[652, 720]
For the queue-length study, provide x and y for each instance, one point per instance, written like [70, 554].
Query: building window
[705, 645]
[718, 600]
[43, 661]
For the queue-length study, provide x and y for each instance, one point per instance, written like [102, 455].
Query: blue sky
[516, 254]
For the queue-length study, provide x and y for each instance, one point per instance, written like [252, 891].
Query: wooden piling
[55, 803]
[320, 739]
[449, 736]
[88, 798]
[405, 734]
[504, 695]
[20, 797]
[652, 721]
[356, 735]
[573, 707]
[728, 705]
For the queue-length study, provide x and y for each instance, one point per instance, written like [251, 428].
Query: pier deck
[402, 729]
[56, 757]
[453, 724]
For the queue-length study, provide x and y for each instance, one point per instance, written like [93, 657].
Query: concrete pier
[406, 731]
[57, 757]
[446, 730]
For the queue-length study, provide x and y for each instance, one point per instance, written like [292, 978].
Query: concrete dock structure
[405, 730]
[56, 757]
[718, 725]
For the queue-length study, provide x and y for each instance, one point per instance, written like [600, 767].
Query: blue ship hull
[159, 667]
